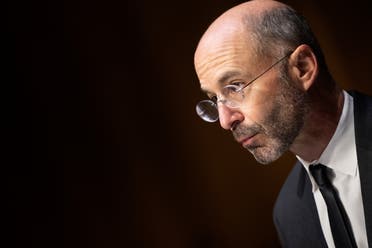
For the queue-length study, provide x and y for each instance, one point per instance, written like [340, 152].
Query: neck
[320, 123]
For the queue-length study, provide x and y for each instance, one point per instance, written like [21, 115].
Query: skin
[278, 113]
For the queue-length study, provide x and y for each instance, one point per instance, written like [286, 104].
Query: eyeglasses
[232, 96]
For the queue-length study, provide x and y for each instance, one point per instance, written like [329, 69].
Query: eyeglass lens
[207, 110]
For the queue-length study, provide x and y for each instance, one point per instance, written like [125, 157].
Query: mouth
[247, 140]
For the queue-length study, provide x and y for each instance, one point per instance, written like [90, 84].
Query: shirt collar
[340, 153]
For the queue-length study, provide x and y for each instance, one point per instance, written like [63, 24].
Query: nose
[229, 117]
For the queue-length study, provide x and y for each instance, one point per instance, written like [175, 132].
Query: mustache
[242, 131]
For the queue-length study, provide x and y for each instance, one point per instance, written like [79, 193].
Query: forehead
[223, 60]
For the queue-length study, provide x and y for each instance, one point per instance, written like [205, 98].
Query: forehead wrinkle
[220, 77]
[216, 60]
[225, 51]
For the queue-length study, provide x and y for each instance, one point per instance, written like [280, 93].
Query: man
[268, 83]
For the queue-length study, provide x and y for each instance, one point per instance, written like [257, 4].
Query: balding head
[236, 23]
[267, 28]
[236, 15]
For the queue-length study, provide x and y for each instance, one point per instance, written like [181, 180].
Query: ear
[304, 66]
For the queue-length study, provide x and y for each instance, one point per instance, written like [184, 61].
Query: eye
[233, 88]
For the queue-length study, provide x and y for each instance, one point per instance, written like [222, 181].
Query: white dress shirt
[341, 158]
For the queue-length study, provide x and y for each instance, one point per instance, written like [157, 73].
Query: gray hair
[279, 31]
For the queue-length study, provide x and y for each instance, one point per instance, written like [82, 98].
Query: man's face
[272, 112]
[278, 126]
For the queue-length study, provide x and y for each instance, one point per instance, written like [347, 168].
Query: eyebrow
[227, 75]
[223, 79]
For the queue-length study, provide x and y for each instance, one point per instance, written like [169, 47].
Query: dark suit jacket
[295, 214]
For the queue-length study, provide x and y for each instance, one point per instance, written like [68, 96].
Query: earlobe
[305, 66]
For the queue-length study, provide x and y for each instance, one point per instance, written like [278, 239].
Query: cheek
[259, 106]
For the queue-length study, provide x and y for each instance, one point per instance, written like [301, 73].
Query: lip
[246, 141]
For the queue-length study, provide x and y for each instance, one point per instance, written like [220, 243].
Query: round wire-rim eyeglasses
[232, 94]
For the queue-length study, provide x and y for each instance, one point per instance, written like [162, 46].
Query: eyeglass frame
[238, 90]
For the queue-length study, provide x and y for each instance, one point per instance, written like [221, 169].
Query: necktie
[340, 226]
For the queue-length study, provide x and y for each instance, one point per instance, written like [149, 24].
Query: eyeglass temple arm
[268, 69]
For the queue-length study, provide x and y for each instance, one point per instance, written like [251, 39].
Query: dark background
[108, 149]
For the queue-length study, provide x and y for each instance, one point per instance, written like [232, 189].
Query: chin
[265, 155]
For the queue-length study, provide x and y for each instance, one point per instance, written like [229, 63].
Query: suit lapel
[363, 137]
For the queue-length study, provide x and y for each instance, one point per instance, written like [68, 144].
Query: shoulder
[295, 215]
[292, 186]
[295, 197]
